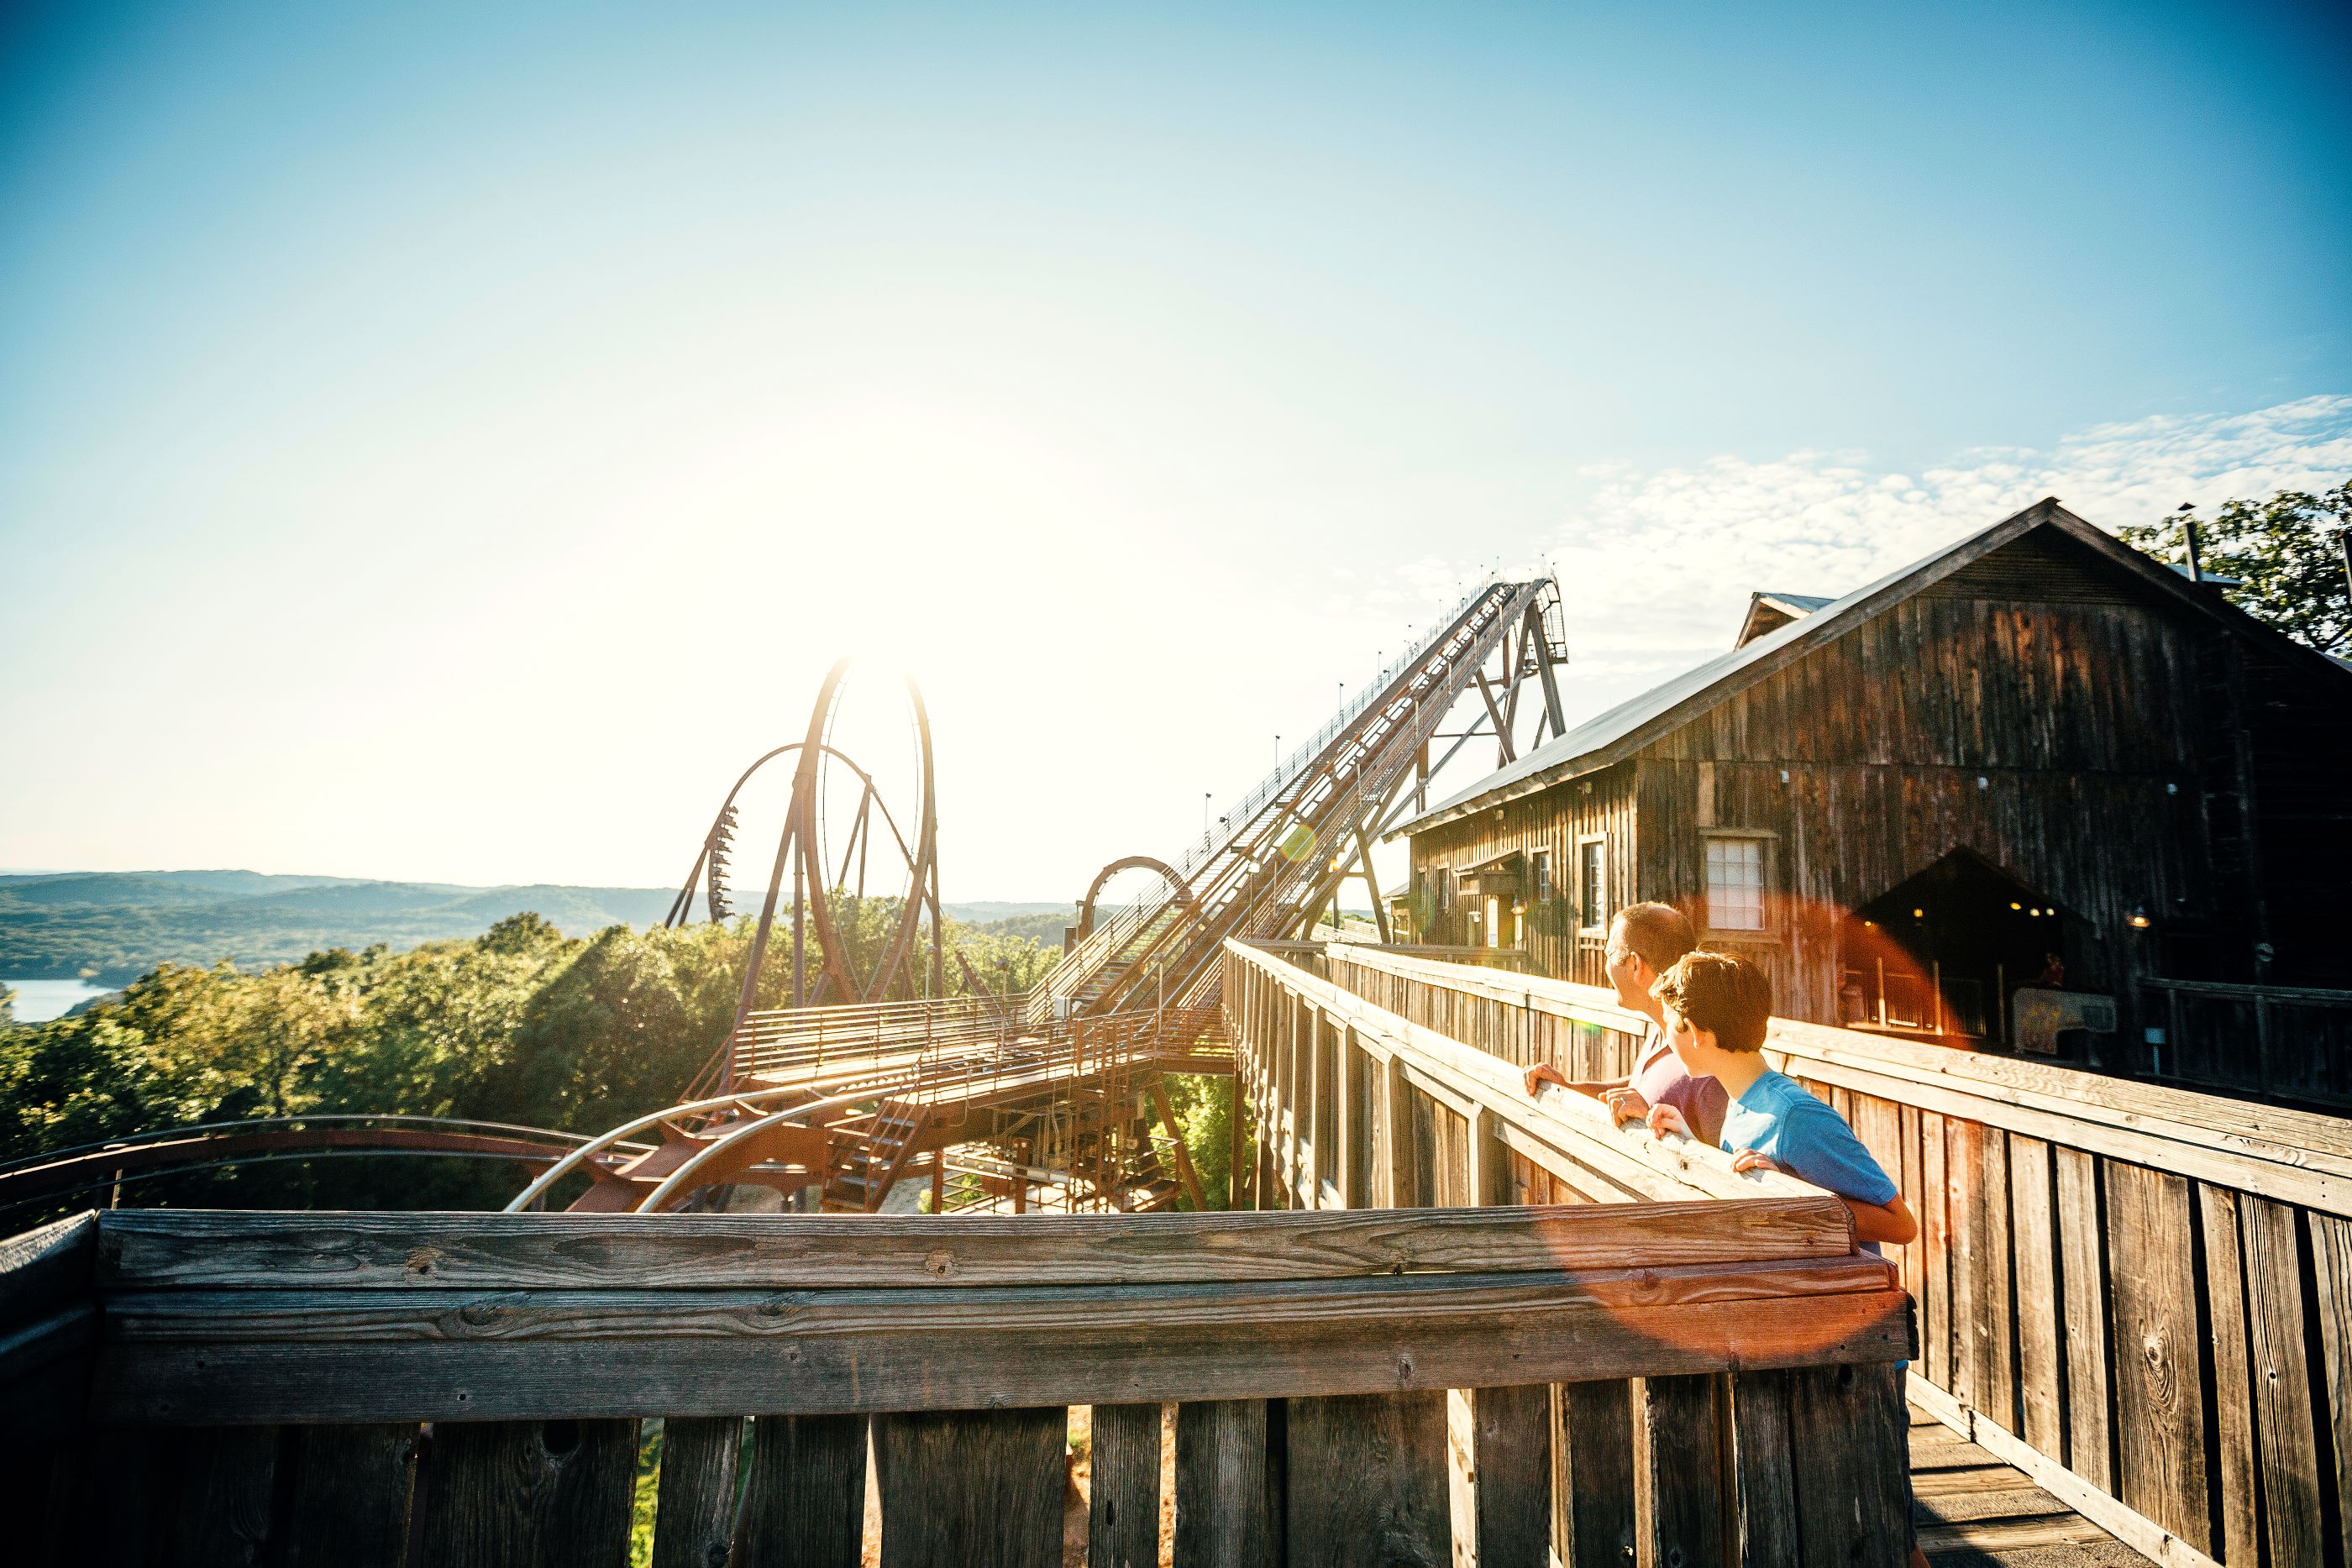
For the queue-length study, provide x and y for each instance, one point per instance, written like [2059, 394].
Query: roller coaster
[868, 1077]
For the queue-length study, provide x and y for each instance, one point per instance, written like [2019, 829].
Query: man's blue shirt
[1779, 1119]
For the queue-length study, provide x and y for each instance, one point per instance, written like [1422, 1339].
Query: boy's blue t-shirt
[1780, 1120]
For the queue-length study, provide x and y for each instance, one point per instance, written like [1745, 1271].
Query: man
[1644, 941]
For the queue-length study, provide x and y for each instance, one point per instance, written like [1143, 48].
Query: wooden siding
[1555, 822]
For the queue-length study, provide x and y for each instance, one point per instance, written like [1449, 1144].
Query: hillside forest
[521, 1024]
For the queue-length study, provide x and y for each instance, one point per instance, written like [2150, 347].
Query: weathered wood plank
[514, 1494]
[982, 1488]
[2331, 1267]
[543, 1359]
[1853, 1485]
[2282, 1376]
[1513, 1463]
[1964, 1210]
[1367, 1483]
[2239, 1531]
[2159, 1400]
[1935, 1254]
[1229, 1484]
[222, 1518]
[1123, 1501]
[348, 1503]
[694, 1521]
[1596, 1440]
[2033, 1245]
[804, 1501]
[1993, 1373]
[2082, 1257]
[46, 1268]
[166, 1249]
[1681, 1443]
[1765, 1470]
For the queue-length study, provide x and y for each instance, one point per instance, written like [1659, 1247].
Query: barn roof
[1769, 612]
[1611, 737]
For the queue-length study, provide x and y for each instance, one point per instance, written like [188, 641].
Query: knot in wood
[421, 1259]
[938, 1264]
[480, 1314]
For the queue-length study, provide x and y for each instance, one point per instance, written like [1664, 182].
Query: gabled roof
[1770, 612]
[1610, 737]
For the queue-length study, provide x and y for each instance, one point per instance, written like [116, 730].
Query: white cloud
[1656, 567]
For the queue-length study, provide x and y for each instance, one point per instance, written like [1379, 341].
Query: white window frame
[1592, 921]
[1765, 927]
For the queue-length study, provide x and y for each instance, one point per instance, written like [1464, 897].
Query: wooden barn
[2036, 792]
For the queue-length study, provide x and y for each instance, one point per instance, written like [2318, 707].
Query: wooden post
[1396, 1136]
[1228, 1485]
[1486, 1161]
[1343, 1121]
[977, 1487]
[1123, 1502]
[1233, 1143]
[695, 1524]
[1364, 1468]
[1315, 1156]
[1512, 1430]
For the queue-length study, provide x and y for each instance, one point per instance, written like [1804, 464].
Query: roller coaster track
[1056, 1094]
[216, 1145]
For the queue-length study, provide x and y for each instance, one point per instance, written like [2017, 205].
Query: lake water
[38, 1001]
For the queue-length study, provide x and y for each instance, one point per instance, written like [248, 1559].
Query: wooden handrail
[2299, 1155]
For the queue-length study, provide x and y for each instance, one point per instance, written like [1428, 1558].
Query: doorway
[1940, 954]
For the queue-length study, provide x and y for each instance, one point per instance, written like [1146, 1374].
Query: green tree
[7, 1007]
[2284, 551]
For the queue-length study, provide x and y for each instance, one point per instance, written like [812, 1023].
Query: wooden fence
[2141, 1295]
[2282, 1042]
[1359, 1108]
[373, 1390]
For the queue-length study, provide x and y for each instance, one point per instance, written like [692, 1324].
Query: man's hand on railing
[1665, 1118]
[1748, 1160]
[1626, 1104]
[1541, 1073]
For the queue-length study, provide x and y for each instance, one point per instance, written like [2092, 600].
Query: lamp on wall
[2138, 918]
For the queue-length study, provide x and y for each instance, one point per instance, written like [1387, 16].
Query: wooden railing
[2141, 1295]
[2284, 1042]
[193, 1386]
[1360, 1108]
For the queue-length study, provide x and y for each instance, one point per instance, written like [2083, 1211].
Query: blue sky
[442, 444]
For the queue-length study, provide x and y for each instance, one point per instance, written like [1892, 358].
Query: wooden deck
[1971, 1509]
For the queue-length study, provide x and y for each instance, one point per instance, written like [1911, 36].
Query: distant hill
[114, 927]
[117, 926]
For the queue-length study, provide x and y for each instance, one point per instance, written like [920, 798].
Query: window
[1735, 884]
[1592, 881]
[1543, 875]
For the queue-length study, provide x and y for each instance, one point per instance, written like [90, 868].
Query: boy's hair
[1721, 993]
[1658, 933]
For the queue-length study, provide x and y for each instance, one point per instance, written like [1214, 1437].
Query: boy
[1716, 1008]
[1643, 941]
